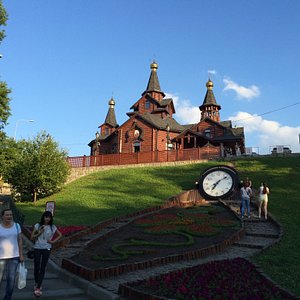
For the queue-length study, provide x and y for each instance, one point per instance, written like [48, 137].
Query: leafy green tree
[4, 105]
[41, 168]
[3, 19]
[4, 91]
[4, 108]
[9, 151]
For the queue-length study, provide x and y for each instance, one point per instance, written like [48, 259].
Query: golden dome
[111, 102]
[209, 84]
[154, 65]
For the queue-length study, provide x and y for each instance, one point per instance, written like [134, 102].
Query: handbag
[22, 275]
[30, 254]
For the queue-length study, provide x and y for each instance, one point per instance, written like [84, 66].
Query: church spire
[111, 116]
[210, 108]
[153, 87]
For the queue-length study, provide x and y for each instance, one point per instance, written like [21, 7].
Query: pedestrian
[249, 182]
[264, 191]
[11, 250]
[42, 235]
[246, 193]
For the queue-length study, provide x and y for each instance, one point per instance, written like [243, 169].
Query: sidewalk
[58, 284]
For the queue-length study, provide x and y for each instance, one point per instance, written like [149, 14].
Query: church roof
[111, 116]
[231, 134]
[160, 123]
[209, 98]
[226, 123]
[153, 83]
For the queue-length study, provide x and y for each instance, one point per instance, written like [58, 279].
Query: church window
[106, 131]
[207, 133]
[137, 146]
[114, 148]
[147, 104]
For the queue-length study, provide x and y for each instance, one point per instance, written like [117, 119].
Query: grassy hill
[105, 194]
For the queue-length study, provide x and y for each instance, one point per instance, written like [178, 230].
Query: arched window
[207, 132]
[114, 148]
[147, 104]
[137, 146]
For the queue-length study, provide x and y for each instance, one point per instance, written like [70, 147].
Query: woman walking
[263, 199]
[42, 234]
[11, 250]
[246, 193]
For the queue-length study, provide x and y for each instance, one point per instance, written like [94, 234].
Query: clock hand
[216, 183]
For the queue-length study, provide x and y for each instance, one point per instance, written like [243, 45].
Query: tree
[41, 168]
[9, 151]
[3, 19]
[4, 107]
[4, 91]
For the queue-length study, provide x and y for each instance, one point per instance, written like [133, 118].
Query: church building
[151, 126]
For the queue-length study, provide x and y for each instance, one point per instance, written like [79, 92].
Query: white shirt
[47, 235]
[9, 247]
[246, 192]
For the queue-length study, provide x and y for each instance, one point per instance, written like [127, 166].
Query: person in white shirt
[11, 250]
[263, 199]
[42, 234]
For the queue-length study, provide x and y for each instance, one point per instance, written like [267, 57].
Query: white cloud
[241, 91]
[265, 134]
[185, 112]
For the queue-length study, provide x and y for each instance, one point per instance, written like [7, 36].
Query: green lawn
[105, 194]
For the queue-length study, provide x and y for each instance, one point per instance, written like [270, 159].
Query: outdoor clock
[218, 182]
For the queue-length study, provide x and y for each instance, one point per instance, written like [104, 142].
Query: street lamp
[98, 144]
[168, 140]
[17, 124]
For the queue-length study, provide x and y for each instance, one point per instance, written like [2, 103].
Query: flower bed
[65, 230]
[165, 236]
[184, 223]
[226, 279]
[68, 230]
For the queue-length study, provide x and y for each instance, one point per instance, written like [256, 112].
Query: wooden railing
[208, 152]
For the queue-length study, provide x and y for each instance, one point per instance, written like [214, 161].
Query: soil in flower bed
[227, 279]
[168, 232]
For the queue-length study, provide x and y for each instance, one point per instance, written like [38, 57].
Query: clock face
[217, 182]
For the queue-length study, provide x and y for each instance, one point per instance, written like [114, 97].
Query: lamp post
[168, 140]
[98, 144]
[17, 125]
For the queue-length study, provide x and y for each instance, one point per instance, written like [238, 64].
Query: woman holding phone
[42, 234]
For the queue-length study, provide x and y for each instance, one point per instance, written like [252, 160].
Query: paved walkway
[58, 284]
[260, 234]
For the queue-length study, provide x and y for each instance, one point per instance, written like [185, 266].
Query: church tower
[111, 116]
[210, 108]
[153, 87]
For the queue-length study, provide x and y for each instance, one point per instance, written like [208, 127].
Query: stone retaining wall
[83, 171]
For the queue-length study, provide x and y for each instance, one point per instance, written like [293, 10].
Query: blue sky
[65, 59]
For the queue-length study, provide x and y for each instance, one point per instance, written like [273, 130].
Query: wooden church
[151, 127]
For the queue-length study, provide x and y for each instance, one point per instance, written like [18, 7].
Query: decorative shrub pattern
[197, 221]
